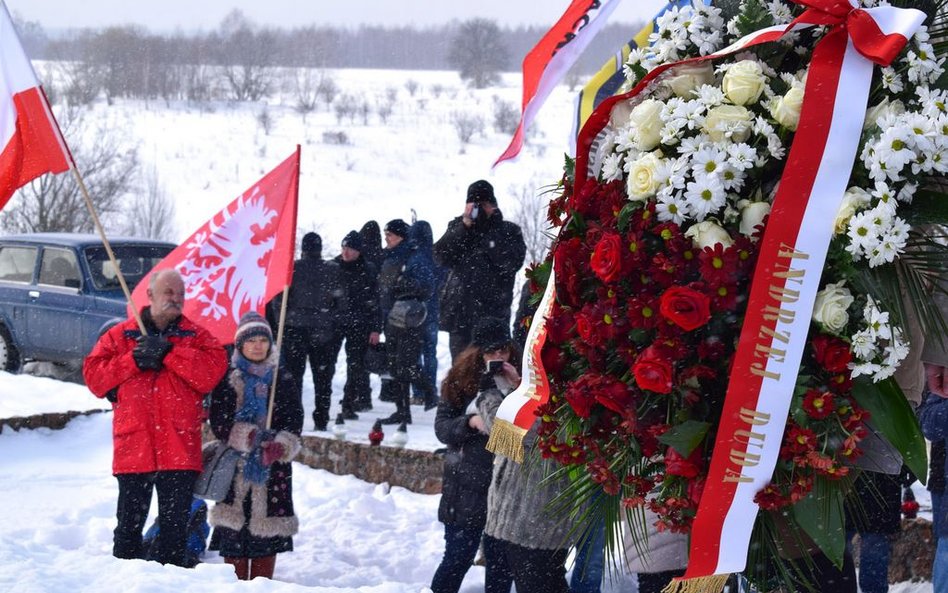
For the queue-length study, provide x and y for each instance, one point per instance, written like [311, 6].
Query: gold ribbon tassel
[712, 584]
[506, 439]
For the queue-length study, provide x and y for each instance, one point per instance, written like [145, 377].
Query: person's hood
[420, 236]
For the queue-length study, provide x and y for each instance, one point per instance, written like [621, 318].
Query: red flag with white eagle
[29, 135]
[241, 258]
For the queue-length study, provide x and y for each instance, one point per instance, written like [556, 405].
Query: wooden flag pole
[108, 246]
[279, 343]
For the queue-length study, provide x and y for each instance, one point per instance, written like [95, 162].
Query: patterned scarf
[257, 378]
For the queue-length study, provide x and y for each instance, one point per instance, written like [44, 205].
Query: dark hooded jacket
[483, 262]
[360, 304]
[372, 243]
[421, 263]
[315, 297]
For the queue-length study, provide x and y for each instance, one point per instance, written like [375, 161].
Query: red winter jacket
[157, 418]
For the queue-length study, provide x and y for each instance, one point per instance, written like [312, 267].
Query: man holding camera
[156, 383]
[483, 253]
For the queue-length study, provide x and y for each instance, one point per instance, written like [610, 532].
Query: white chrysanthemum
[865, 368]
[671, 208]
[741, 156]
[863, 234]
[627, 139]
[612, 167]
[780, 12]
[907, 192]
[922, 66]
[705, 195]
[709, 159]
[710, 96]
[892, 80]
[863, 345]
[932, 101]
[733, 179]
[877, 321]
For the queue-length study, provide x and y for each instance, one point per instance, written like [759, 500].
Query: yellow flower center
[647, 312]
[717, 263]
[666, 234]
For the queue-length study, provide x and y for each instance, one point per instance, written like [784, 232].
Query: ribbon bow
[864, 26]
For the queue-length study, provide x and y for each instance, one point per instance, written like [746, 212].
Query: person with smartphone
[482, 254]
[490, 362]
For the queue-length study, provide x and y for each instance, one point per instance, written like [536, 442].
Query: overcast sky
[189, 15]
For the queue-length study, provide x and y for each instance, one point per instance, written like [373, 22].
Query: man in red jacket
[156, 383]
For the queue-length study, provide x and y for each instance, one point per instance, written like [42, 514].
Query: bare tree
[327, 89]
[530, 212]
[506, 116]
[247, 55]
[151, 213]
[82, 82]
[411, 85]
[54, 202]
[265, 120]
[467, 125]
[478, 52]
[305, 91]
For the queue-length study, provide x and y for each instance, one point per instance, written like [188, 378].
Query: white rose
[686, 79]
[752, 215]
[744, 82]
[647, 121]
[708, 234]
[854, 199]
[884, 108]
[645, 178]
[728, 118]
[830, 308]
[786, 109]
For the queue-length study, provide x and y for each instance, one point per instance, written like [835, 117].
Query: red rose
[614, 395]
[554, 360]
[685, 307]
[831, 353]
[676, 465]
[606, 260]
[653, 371]
[579, 395]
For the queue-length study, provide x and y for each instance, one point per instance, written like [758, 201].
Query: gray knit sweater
[517, 502]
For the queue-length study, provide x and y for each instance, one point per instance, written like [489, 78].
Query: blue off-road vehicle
[59, 292]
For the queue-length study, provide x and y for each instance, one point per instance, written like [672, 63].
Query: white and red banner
[517, 412]
[546, 64]
[29, 135]
[241, 258]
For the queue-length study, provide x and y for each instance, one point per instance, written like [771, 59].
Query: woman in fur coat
[256, 520]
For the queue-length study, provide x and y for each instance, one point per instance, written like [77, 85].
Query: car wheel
[9, 357]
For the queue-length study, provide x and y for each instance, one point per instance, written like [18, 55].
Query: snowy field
[57, 493]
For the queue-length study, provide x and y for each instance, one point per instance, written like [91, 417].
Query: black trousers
[537, 571]
[357, 389]
[654, 582]
[302, 344]
[174, 505]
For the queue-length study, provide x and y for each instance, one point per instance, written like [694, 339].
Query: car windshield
[135, 261]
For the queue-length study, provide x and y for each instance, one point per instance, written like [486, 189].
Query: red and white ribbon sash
[787, 277]
[517, 412]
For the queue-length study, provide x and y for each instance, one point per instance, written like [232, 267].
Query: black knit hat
[490, 333]
[481, 191]
[353, 240]
[312, 243]
[398, 227]
[251, 324]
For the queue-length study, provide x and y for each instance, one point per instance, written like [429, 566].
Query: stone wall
[418, 471]
[53, 420]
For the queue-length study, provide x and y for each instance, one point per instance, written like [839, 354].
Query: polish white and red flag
[241, 258]
[546, 64]
[30, 137]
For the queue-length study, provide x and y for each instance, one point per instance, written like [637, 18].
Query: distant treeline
[239, 41]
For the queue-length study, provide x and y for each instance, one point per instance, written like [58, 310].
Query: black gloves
[150, 351]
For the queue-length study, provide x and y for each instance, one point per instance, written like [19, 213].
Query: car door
[57, 306]
[17, 270]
